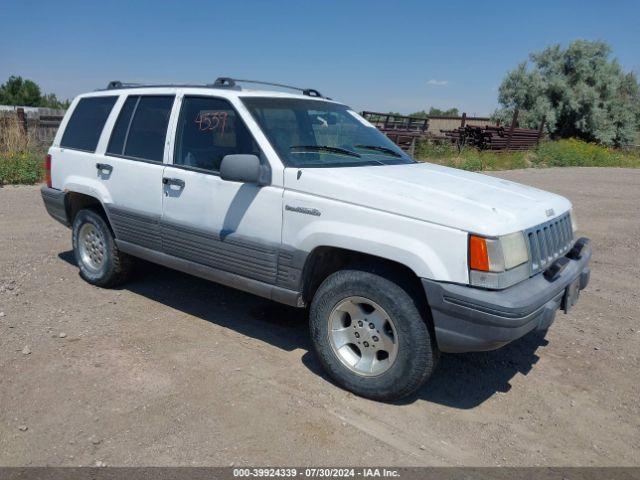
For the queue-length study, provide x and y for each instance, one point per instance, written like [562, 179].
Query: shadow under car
[461, 381]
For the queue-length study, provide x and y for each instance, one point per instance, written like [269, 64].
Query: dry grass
[20, 160]
[12, 136]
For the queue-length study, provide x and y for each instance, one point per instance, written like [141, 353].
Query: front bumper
[471, 319]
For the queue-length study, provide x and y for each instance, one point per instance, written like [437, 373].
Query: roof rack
[221, 82]
[114, 84]
[227, 82]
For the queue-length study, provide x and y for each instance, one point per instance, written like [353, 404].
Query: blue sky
[393, 55]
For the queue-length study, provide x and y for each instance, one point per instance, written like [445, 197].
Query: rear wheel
[98, 258]
[370, 336]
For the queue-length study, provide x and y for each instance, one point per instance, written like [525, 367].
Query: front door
[231, 226]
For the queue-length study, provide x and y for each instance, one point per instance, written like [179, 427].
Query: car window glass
[317, 133]
[148, 130]
[119, 133]
[284, 125]
[209, 129]
[86, 123]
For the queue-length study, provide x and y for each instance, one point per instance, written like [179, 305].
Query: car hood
[446, 196]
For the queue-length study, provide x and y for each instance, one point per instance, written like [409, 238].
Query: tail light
[47, 170]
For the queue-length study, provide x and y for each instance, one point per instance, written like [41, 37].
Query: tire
[97, 256]
[406, 333]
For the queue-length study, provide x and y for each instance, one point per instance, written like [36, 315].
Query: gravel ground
[172, 370]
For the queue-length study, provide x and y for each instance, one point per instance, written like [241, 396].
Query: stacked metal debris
[495, 138]
[390, 122]
[407, 131]
[404, 131]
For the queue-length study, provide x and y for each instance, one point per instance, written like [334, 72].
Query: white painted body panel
[435, 194]
[419, 215]
[133, 185]
[430, 250]
[211, 204]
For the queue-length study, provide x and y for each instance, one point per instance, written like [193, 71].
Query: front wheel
[369, 335]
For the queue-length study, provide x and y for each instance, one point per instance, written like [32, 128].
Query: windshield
[315, 133]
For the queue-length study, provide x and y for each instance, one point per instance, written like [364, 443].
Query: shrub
[576, 153]
[21, 168]
[561, 153]
[580, 92]
[436, 149]
[20, 160]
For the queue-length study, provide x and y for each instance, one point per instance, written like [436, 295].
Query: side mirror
[241, 168]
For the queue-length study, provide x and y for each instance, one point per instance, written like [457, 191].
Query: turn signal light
[478, 254]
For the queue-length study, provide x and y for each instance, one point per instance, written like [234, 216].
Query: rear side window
[86, 123]
[209, 129]
[141, 128]
[119, 133]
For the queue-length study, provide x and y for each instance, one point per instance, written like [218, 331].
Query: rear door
[230, 226]
[132, 165]
[77, 141]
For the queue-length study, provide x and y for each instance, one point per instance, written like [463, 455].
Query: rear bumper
[55, 203]
[471, 319]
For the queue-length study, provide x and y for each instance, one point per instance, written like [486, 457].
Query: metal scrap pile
[404, 131]
[494, 138]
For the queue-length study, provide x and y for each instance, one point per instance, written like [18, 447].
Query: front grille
[549, 241]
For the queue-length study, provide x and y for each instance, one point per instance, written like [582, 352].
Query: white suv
[297, 198]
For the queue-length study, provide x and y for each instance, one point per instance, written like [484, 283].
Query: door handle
[104, 167]
[173, 181]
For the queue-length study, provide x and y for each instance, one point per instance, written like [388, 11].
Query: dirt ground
[173, 370]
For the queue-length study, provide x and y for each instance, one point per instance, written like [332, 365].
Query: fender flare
[407, 251]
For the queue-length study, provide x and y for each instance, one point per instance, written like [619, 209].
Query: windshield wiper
[325, 148]
[378, 148]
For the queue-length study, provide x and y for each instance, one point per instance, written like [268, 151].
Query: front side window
[316, 133]
[141, 129]
[86, 123]
[208, 129]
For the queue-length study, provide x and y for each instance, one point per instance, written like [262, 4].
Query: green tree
[27, 93]
[436, 112]
[51, 101]
[17, 91]
[579, 91]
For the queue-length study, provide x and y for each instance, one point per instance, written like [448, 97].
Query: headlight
[574, 222]
[498, 262]
[514, 250]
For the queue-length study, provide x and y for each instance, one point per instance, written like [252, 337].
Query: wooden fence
[37, 124]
